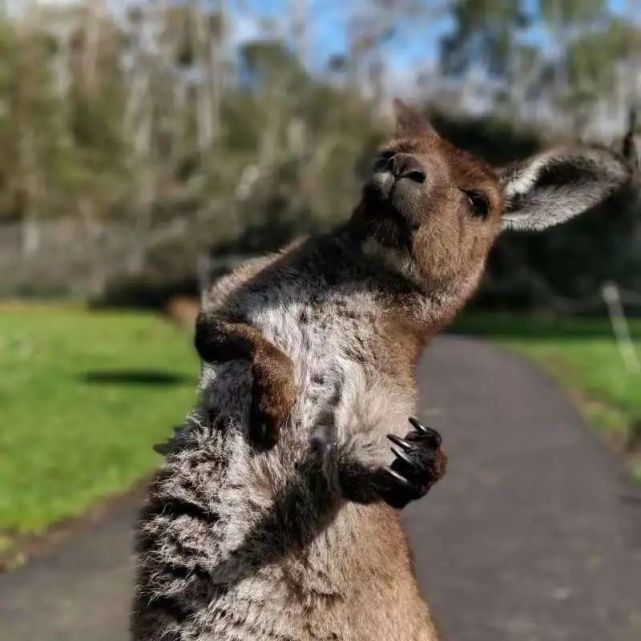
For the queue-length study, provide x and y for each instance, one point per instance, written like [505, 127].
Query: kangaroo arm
[274, 388]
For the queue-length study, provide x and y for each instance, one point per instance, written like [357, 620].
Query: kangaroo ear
[557, 185]
[409, 122]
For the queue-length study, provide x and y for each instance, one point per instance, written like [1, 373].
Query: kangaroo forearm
[274, 389]
[219, 340]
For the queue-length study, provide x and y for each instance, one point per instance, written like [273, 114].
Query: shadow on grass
[136, 377]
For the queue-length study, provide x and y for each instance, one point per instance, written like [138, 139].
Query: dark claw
[401, 442]
[417, 425]
[398, 478]
[403, 456]
[434, 436]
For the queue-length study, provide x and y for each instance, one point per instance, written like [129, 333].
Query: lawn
[84, 396]
[582, 354]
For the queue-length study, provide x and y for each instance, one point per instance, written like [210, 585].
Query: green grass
[83, 397]
[582, 354]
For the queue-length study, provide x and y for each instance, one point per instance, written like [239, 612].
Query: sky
[328, 32]
[415, 46]
[328, 27]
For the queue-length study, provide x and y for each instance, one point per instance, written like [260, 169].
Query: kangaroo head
[433, 211]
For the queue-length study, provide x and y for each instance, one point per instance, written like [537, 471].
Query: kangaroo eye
[478, 202]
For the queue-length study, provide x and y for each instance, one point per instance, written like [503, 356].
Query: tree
[33, 141]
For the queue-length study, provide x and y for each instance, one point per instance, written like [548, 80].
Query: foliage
[485, 33]
[550, 61]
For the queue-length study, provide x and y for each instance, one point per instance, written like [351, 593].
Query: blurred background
[141, 137]
[146, 145]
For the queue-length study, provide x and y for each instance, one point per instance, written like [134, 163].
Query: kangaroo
[276, 515]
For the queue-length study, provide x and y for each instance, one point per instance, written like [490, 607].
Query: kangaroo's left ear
[557, 185]
[410, 122]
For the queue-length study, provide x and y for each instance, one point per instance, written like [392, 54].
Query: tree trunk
[96, 10]
[204, 102]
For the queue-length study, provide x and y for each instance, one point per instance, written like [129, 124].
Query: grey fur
[560, 184]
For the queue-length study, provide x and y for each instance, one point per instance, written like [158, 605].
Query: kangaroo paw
[419, 463]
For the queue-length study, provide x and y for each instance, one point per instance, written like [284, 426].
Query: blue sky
[415, 46]
[417, 42]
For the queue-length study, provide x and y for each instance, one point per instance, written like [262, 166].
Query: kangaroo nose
[408, 166]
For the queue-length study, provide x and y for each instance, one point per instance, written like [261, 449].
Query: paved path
[532, 536]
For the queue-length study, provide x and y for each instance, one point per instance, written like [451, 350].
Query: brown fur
[300, 541]
[273, 390]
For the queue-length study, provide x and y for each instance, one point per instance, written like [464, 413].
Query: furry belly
[233, 569]
[236, 544]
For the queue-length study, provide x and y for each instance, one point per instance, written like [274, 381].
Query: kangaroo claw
[403, 456]
[434, 436]
[398, 478]
[401, 442]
